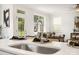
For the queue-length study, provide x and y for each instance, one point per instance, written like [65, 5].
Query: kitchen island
[65, 49]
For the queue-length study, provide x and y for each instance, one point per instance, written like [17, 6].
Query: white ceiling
[51, 8]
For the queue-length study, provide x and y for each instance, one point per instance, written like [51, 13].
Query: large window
[57, 24]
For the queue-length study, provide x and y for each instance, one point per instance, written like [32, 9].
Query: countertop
[64, 48]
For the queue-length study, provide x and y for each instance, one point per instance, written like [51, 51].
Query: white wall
[67, 26]
[66, 15]
[29, 21]
[7, 32]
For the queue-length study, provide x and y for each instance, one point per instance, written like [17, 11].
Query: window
[21, 23]
[21, 27]
[57, 24]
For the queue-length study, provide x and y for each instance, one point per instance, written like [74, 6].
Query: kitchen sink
[35, 48]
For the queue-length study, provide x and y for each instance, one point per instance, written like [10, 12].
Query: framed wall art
[6, 16]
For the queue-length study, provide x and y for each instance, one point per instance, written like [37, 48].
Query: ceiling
[51, 8]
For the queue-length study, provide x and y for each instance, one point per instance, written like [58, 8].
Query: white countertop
[64, 48]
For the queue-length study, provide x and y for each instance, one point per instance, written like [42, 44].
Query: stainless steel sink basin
[35, 48]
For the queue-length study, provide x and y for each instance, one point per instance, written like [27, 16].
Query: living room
[40, 22]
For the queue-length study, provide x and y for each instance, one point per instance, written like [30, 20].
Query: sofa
[54, 36]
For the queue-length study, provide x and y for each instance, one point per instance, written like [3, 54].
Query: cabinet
[74, 39]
